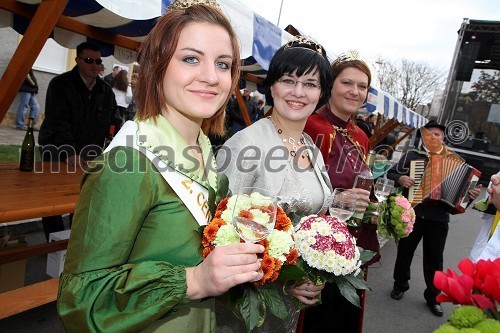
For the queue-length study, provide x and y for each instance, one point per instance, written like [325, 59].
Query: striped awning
[259, 39]
[381, 102]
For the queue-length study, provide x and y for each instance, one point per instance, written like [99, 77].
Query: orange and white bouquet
[250, 301]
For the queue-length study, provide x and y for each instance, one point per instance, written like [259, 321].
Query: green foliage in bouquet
[250, 303]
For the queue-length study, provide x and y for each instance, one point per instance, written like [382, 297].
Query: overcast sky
[417, 30]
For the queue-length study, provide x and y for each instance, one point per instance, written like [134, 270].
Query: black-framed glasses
[90, 61]
[292, 83]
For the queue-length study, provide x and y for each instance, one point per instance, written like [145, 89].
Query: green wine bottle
[27, 161]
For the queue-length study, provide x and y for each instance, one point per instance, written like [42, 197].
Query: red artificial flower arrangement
[478, 286]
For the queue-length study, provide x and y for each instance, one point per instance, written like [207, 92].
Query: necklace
[294, 144]
[345, 133]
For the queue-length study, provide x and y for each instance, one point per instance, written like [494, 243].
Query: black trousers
[434, 235]
[334, 314]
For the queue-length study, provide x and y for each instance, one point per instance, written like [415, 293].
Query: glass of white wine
[343, 204]
[383, 188]
[254, 214]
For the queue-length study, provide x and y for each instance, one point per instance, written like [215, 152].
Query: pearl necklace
[291, 141]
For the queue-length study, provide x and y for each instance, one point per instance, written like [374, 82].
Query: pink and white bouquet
[397, 218]
[328, 253]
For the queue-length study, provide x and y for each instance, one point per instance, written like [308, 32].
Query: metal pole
[279, 15]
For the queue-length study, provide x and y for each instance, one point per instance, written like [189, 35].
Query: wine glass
[343, 204]
[254, 214]
[383, 188]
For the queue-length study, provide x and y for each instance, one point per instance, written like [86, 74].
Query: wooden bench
[52, 189]
[27, 298]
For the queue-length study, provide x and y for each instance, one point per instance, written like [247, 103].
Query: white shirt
[123, 98]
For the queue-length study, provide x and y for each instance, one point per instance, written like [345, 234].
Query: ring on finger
[307, 289]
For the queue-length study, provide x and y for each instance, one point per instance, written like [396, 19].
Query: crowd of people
[133, 261]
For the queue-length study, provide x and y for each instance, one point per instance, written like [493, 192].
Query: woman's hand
[224, 268]
[363, 199]
[307, 292]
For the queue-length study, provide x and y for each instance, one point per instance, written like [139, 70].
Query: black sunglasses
[90, 61]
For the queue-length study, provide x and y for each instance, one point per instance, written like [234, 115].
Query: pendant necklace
[294, 144]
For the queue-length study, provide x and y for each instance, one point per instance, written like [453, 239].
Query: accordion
[444, 178]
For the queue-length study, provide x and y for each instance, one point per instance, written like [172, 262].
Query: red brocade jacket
[335, 148]
[343, 161]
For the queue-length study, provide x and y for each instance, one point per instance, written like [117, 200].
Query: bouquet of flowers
[477, 290]
[397, 218]
[478, 286]
[328, 253]
[250, 301]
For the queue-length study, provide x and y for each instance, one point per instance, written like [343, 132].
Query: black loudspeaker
[467, 60]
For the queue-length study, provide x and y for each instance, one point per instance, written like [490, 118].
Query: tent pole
[242, 106]
[31, 44]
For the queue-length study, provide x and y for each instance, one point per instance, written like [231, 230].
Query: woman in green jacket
[133, 261]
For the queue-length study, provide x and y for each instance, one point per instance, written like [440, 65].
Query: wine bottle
[27, 161]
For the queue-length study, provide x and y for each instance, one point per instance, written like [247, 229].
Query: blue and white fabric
[259, 39]
[381, 102]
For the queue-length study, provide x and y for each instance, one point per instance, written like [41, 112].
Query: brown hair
[121, 81]
[157, 51]
[339, 66]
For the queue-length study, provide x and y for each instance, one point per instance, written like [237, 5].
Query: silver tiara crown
[183, 4]
[305, 42]
[348, 56]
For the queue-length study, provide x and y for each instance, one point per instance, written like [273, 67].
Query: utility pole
[279, 15]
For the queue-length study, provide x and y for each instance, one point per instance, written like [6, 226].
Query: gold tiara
[183, 4]
[306, 43]
[348, 56]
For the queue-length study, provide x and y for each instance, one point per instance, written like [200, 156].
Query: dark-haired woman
[123, 94]
[275, 154]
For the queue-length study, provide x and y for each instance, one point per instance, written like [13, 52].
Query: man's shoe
[397, 294]
[24, 128]
[436, 309]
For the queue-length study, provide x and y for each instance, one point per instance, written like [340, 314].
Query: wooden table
[52, 189]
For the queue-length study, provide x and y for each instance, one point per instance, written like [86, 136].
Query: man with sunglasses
[79, 109]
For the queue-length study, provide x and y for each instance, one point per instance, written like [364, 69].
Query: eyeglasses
[291, 84]
[90, 61]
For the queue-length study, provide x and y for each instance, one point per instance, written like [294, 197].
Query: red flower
[478, 286]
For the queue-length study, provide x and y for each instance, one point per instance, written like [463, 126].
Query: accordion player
[444, 178]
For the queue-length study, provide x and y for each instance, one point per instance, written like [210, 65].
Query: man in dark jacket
[431, 224]
[27, 98]
[79, 109]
